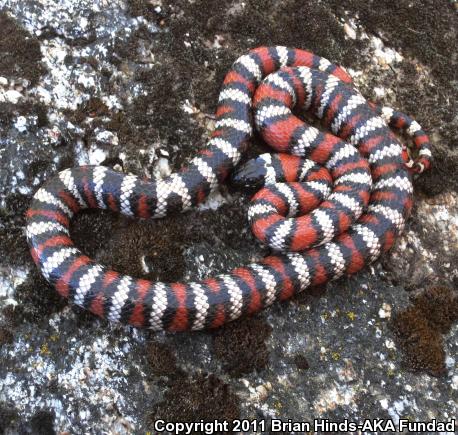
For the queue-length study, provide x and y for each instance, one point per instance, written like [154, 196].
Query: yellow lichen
[351, 315]
[335, 356]
[278, 406]
[44, 350]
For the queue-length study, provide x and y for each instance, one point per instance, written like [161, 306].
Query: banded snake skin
[359, 177]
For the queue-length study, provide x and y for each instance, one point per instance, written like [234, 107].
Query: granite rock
[134, 84]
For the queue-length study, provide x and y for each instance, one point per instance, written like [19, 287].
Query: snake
[332, 199]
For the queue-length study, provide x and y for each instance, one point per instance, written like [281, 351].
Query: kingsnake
[365, 169]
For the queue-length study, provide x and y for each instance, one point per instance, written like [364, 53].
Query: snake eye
[250, 175]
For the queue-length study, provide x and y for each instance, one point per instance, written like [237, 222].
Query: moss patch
[301, 362]
[144, 8]
[188, 399]
[9, 111]
[42, 423]
[6, 336]
[20, 55]
[241, 346]
[161, 359]
[13, 244]
[8, 417]
[92, 108]
[419, 329]
[36, 300]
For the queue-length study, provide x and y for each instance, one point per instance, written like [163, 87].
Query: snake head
[250, 175]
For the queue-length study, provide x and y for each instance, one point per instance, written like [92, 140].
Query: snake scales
[358, 177]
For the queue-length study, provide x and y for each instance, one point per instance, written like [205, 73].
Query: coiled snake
[359, 178]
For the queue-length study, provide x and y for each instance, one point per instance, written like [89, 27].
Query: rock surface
[134, 84]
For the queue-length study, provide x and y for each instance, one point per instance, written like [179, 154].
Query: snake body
[363, 191]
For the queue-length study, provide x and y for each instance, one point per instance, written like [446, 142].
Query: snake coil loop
[356, 177]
